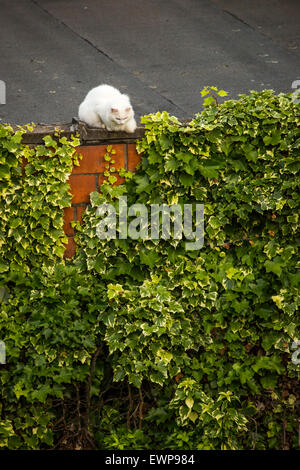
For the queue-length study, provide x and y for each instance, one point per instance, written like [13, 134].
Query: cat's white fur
[105, 107]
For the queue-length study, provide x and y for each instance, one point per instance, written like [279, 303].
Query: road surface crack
[100, 51]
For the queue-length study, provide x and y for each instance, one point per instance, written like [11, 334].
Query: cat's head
[120, 115]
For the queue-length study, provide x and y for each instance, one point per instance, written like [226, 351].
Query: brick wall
[89, 175]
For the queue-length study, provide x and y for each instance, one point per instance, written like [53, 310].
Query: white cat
[105, 107]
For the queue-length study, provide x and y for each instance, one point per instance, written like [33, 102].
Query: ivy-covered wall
[90, 173]
[140, 343]
[89, 176]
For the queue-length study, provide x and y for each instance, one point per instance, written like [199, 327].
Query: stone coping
[88, 135]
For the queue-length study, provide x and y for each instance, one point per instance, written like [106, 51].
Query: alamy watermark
[2, 353]
[296, 93]
[152, 222]
[296, 354]
[2, 92]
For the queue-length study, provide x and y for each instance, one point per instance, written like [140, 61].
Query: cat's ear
[114, 110]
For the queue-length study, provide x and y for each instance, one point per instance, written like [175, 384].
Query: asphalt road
[160, 52]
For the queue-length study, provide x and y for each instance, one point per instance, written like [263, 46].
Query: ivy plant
[142, 344]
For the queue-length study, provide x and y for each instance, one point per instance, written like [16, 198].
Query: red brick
[24, 163]
[120, 180]
[93, 158]
[133, 157]
[100, 181]
[68, 218]
[70, 248]
[81, 186]
[79, 211]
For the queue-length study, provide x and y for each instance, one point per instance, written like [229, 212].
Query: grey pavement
[160, 52]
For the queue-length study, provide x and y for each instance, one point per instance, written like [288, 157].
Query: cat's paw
[95, 125]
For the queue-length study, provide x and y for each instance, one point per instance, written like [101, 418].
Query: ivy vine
[140, 344]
